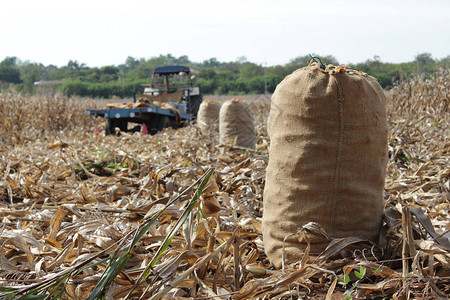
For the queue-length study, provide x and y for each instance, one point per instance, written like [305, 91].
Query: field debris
[177, 215]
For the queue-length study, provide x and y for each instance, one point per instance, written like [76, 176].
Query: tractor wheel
[112, 124]
[164, 122]
[110, 127]
[195, 104]
[123, 125]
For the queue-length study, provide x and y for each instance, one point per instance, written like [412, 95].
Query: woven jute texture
[327, 159]
[237, 126]
[208, 116]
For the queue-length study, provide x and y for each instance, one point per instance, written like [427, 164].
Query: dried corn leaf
[72, 197]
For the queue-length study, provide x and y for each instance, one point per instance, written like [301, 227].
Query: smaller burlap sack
[327, 159]
[237, 126]
[208, 116]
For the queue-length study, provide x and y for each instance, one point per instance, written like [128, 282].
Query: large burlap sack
[327, 159]
[208, 116]
[237, 126]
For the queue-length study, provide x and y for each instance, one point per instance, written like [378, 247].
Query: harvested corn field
[176, 214]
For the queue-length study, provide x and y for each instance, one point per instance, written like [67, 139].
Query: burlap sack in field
[327, 159]
[237, 126]
[208, 116]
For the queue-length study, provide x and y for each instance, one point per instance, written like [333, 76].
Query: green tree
[250, 70]
[210, 63]
[445, 62]
[9, 72]
[109, 73]
[30, 73]
[213, 76]
[425, 63]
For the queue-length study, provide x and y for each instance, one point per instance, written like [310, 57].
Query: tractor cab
[174, 83]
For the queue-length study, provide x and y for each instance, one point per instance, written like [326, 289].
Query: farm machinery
[170, 100]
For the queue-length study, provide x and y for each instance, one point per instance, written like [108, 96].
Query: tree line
[213, 76]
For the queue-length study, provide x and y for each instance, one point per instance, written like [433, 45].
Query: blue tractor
[170, 100]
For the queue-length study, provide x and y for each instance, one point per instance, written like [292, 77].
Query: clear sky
[100, 32]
